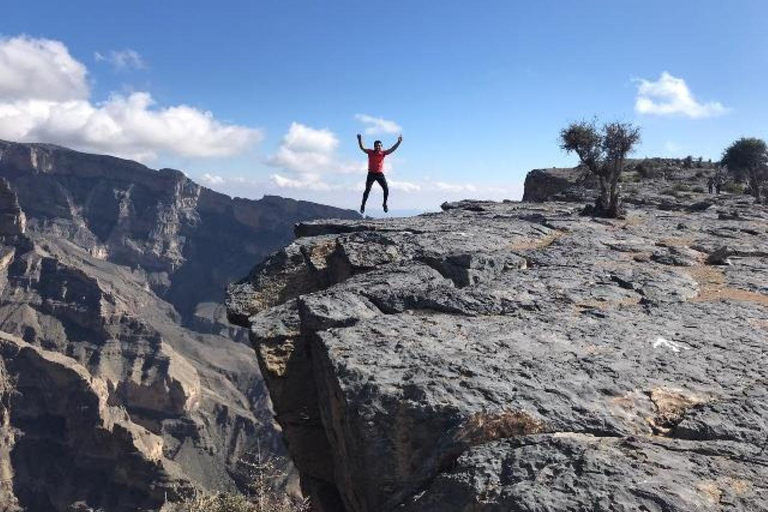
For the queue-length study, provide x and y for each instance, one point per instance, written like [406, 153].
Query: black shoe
[385, 208]
[362, 208]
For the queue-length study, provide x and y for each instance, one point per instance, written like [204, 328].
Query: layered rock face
[519, 356]
[113, 273]
[190, 240]
[58, 462]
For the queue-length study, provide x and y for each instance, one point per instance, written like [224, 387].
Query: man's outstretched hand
[359, 136]
[400, 138]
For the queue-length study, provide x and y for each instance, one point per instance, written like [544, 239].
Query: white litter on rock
[671, 345]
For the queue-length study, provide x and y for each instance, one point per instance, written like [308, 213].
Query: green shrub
[629, 177]
[262, 496]
[646, 169]
[698, 189]
[219, 502]
[732, 187]
[676, 190]
[234, 502]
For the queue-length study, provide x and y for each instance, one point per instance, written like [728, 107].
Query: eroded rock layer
[120, 270]
[520, 356]
[62, 443]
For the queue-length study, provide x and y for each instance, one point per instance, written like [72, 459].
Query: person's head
[377, 145]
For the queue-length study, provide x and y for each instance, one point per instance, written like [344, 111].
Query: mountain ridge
[120, 270]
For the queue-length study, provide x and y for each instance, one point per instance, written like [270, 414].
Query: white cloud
[305, 149]
[454, 187]
[306, 181]
[122, 60]
[213, 179]
[310, 168]
[304, 138]
[39, 69]
[44, 97]
[405, 186]
[670, 95]
[309, 157]
[377, 125]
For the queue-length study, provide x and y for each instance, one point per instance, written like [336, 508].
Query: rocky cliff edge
[519, 356]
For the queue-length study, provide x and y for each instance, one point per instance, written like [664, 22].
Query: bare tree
[604, 153]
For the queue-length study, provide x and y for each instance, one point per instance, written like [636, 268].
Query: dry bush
[489, 426]
[263, 494]
[218, 502]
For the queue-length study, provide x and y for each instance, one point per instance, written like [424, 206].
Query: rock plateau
[522, 357]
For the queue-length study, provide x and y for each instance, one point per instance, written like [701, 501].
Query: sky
[266, 97]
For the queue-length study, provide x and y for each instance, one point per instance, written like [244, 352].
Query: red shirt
[376, 160]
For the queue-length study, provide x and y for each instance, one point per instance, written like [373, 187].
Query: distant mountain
[190, 240]
[121, 382]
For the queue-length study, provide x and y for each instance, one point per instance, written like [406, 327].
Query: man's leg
[368, 184]
[383, 182]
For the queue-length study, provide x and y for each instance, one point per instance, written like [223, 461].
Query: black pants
[375, 176]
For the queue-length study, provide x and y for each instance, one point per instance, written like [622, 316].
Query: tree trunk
[754, 184]
[604, 199]
[613, 207]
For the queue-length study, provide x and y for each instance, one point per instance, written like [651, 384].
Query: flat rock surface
[519, 356]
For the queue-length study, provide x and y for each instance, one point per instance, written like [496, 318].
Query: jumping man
[376, 168]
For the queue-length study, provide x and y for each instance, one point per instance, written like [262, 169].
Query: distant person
[711, 185]
[376, 168]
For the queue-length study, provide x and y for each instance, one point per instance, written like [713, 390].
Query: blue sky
[266, 97]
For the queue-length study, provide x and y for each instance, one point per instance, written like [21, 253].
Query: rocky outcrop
[521, 356]
[665, 183]
[12, 219]
[62, 443]
[191, 241]
[546, 184]
[114, 272]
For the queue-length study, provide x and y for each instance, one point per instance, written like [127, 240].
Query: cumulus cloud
[122, 60]
[404, 186]
[305, 181]
[305, 149]
[309, 156]
[670, 95]
[40, 69]
[44, 96]
[377, 125]
[212, 179]
[455, 187]
[309, 163]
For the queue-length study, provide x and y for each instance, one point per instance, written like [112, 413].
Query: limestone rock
[520, 356]
[720, 256]
[12, 219]
[60, 434]
[194, 240]
[121, 270]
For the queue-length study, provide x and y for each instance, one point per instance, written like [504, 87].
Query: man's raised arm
[397, 145]
[360, 143]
